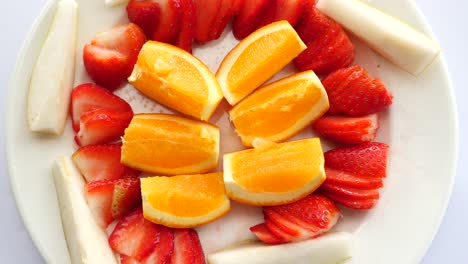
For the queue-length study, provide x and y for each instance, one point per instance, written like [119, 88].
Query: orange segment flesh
[173, 77]
[281, 109]
[184, 201]
[257, 58]
[275, 173]
[170, 145]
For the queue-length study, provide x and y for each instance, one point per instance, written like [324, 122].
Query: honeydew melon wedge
[332, 248]
[392, 38]
[87, 242]
[116, 2]
[53, 75]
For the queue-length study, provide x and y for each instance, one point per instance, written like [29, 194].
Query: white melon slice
[87, 242]
[392, 38]
[116, 2]
[53, 75]
[328, 249]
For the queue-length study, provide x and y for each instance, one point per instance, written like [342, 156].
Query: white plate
[420, 127]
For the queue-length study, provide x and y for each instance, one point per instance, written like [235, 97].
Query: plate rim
[49, 4]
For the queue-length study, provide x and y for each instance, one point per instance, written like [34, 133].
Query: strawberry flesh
[134, 236]
[264, 234]
[348, 130]
[187, 248]
[102, 126]
[353, 92]
[101, 162]
[188, 20]
[126, 197]
[169, 22]
[111, 55]
[357, 204]
[250, 17]
[345, 179]
[89, 97]
[146, 14]
[99, 197]
[368, 159]
[350, 192]
[207, 11]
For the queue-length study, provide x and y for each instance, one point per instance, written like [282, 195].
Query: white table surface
[448, 19]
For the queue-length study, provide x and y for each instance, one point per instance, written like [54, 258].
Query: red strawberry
[348, 130]
[328, 46]
[144, 13]
[290, 10]
[163, 251]
[265, 235]
[352, 91]
[303, 219]
[250, 17]
[349, 192]
[227, 10]
[358, 204]
[134, 236]
[101, 162]
[342, 178]
[368, 159]
[188, 20]
[187, 248]
[99, 197]
[207, 12]
[111, 55]
[102, 126]
[89, 97]
[169, 22]
[126, 196]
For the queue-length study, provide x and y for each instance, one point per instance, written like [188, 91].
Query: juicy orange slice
[281, 109]
[173, 77]
[257, 58]
[184, 201]
[170, 145]
[274, 173]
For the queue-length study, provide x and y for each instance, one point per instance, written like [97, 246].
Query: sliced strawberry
[250, 17]
[101, 162]
[99, 197]
[126, 197]
[226, 12]
[358, 204]
[207, 13]
[89, 97]
[187, 247]
[163, 251]
[353, 92]
[169, 22]
[134, 236]
[264, 234]
[350, 192]
[146, 14]
[368, 159]
[315, 213]
[348, 130]
[102, 126]
[286, 225]
[290, 10]
[188, 20]
[279, 232]
[342, 178]
[128, 260]
[111, 55]
[328, 46]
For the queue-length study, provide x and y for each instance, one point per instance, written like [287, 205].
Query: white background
[449, 21]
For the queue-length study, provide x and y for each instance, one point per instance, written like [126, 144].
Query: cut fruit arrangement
[153, 174]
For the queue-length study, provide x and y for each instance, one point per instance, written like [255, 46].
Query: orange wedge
[274, 174]
[184, 201]
[170, 145]
[280, 109]
[257, 58]
[173, 77]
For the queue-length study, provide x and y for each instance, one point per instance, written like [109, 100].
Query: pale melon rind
[393, 39]
[331, 248]
[53, 75]
[87, 242]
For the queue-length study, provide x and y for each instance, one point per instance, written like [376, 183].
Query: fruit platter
[231, 131]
